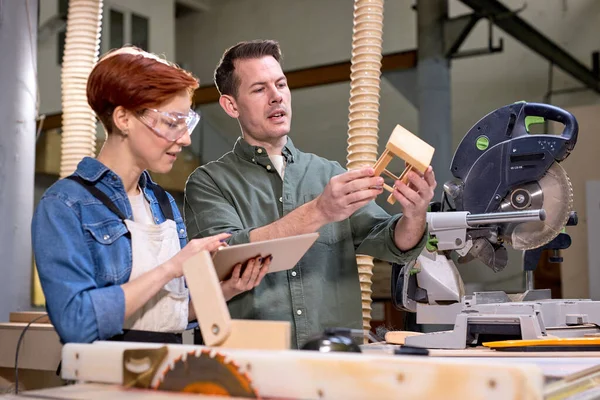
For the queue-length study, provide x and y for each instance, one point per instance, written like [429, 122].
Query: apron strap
[159, 192]
[163, 201]
[97, 193]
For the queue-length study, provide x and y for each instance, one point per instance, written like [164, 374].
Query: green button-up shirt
[242, 191]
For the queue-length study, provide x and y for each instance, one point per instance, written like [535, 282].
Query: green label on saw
[482, 142]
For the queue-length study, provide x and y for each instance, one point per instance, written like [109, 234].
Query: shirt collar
[258, 154]
[91, 170]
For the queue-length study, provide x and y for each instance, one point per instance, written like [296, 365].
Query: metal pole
[528, 280]
[18, 66]
[433, 86]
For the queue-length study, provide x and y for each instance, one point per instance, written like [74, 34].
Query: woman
[109, 243]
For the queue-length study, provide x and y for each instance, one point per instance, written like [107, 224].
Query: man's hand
[255, 271]
[414, 199]
[416, 196]
[347, 192]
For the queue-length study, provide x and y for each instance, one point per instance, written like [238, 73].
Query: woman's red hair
[134, 82]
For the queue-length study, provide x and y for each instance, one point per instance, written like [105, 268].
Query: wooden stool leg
[391, 199]
[382, 162]
[403, 178]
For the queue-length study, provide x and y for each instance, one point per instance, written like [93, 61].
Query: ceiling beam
[321, 75]
[515, 26]
[297, 79]
[196, 5]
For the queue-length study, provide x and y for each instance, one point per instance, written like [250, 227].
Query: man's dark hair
[225, 78]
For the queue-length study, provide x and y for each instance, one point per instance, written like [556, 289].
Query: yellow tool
[553, 344]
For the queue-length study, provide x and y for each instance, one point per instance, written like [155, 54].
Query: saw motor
[500, 166]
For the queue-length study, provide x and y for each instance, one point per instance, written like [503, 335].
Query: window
[126, 27]
[139, 31]
[63, 8]
[119, 27]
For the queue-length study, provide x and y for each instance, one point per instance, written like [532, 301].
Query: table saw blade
[554, 193]
[207, 372]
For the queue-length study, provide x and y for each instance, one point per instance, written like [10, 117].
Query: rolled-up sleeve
[207, 212]
[79, 310]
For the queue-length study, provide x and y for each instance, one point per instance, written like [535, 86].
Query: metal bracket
[456, 31]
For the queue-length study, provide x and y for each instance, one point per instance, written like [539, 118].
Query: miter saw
[509, 190]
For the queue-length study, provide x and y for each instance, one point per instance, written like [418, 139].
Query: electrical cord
[18, 347]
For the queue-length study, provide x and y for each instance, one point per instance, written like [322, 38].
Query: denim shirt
[83, 253]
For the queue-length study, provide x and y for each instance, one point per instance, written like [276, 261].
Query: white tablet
[286, 253]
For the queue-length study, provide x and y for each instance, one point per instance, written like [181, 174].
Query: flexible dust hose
[363, 120]
[82, 44]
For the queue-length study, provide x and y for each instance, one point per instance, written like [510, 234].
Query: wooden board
[297, 374]
[93, 391]
[216, 325]
[552, 364]
[40, 348]
[28, 316]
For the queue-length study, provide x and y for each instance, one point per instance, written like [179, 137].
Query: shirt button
[106, 237]
[281, 199]
[259, 151]
[269, 167]
[299, 312]
[182, 231]
[253, 160]
[294, 274]
[114, 177]
[156, 219]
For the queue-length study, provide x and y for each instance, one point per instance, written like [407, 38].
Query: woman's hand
[175, 265]
[256, 269]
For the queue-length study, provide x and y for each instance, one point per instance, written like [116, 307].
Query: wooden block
[28, 316]
[410, 148]
[216, 325]
[258, 335]
[40, 347]
[207, 298]
[416, 153]
[398, 337]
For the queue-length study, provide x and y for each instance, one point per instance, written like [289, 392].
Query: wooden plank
[297, 374]
[40, 348]
[95, 391]
[321, 75]
[28, 316]
[297, 79]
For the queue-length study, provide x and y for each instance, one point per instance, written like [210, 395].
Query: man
[266, 188]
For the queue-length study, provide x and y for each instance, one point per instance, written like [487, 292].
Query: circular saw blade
[555, 193]
[207, 373]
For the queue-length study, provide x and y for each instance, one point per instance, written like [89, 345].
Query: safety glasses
[169, 125]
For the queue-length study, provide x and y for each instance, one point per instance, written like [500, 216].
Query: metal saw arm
[450, 228]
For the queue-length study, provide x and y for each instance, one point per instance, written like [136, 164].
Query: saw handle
[552, 113]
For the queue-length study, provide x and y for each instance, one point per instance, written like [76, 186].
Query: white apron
[152, 245]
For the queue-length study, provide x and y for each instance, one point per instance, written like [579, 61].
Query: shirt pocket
[333, 232]
[111, 250]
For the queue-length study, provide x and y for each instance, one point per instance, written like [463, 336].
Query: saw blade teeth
[161, 375]
[204, 371]
[554, 193]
